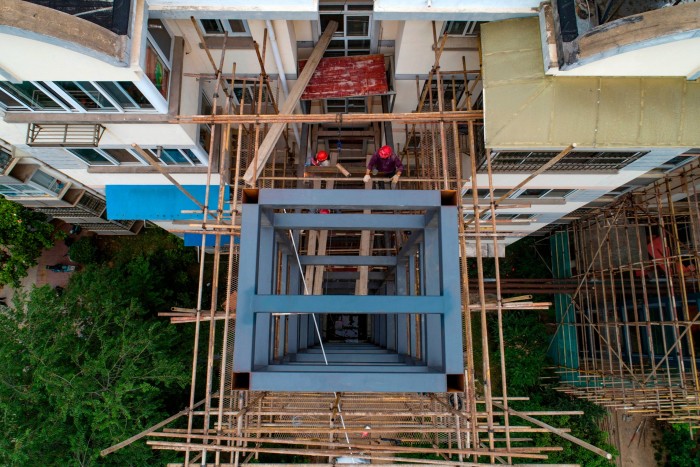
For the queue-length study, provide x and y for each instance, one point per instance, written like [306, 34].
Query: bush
[84, 251]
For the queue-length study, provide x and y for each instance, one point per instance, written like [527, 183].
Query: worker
[321, 159]
[658, 251]
[386, 162]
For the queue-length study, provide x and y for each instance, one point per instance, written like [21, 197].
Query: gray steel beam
[352, 304]
[247, 274]
[348, 260]
[349, 221]
[375, 379]
[349, 199]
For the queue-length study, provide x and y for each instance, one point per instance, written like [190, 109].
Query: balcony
[609, 38]
[110, 14]
[69, 31]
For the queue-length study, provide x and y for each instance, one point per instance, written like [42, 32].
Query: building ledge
[57, 28]
[656, 34]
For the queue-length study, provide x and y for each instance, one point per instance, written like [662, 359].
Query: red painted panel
[340, 77]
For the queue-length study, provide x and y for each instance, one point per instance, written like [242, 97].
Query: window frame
[347, 11]
[467, 31]
[68, 104]
[226, 27]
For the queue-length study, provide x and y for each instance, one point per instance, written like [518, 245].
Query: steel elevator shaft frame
[416, 327]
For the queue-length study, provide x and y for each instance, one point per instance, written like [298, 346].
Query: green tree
[676, 448]
[87, 368]
[23, 234]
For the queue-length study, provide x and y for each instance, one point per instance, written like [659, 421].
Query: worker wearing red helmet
[385, 161]
[321, 159]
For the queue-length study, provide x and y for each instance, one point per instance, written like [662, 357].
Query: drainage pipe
[280, 71]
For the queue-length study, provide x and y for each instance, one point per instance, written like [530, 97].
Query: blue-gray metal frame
[414, 337]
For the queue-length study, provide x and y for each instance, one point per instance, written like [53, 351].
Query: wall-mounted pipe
[280, 71]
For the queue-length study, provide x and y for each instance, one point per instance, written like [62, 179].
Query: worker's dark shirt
[389, 165]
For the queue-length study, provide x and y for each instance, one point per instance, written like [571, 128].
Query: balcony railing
[110, 14]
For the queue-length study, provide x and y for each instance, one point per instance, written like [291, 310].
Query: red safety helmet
[385, 152]
[321, 156]
[324, 211]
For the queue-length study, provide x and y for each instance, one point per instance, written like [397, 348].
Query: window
[234, 27]
[160, 35]
[157, 70]
[29, 96]
[483, 193]
[80, 96]
[46, 181]
[542, 193]
[124, 156]
[462, 28]
[84, 95]
[352, 37]
[126, 94]
[205, 108]
[345, 105]
[172, 156]
[92, 156]
[21, 190]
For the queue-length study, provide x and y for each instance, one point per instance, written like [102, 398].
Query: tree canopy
[23, 234]
[86, 368]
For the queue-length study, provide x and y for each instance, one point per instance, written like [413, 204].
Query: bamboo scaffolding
[636, 314]
[231, 426]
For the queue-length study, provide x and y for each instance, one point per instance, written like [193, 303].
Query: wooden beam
[256, 167]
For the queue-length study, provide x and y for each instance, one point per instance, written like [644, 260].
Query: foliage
[23, 234]
[676, 448]
[84, 251]
[85, 369]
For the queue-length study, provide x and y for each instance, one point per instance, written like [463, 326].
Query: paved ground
[39, 275]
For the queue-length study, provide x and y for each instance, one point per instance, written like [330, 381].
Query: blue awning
[156, 202]
[192, 239]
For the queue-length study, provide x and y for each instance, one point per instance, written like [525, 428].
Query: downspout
[283, 78]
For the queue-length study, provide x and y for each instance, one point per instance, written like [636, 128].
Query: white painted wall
[460, 10]
[245, 9]
[29, 59]
[99, 181]
[678, 58]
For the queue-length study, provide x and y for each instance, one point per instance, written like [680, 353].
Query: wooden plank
[255, 168]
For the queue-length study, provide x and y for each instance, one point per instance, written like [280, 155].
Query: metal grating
[63, 135]
[578, 161]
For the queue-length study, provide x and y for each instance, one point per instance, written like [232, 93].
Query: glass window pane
[191, 156]
[157, 71]
[10, 103]
[124, 156]
[325, 19]
[455, 27]
[237, 26]
[160, 35]
[365, 7]
[561, 193]
[362, 44]
[47, 181]
[212, 26]
[91, 156]
[20, 190]
[86, 95]
[29, 94]
[357, 26]
[533, 193]
[127, 94]
[173, 157]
